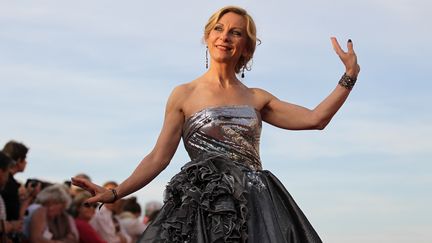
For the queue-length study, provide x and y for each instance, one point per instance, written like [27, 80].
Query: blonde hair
[55, 193]
[250, 30]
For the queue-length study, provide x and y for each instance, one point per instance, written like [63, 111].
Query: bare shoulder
[182, 90]
[261, 97]
[180, 95]
[259, 91]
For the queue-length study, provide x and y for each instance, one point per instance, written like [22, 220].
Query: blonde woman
[223, 194]
[47, 220]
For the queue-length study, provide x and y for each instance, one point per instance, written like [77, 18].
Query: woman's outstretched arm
[154, 162]
[294, 117]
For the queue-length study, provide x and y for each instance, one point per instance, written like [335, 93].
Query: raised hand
[348, 58]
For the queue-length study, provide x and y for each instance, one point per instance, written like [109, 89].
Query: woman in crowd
[83, 212]
[47, 220]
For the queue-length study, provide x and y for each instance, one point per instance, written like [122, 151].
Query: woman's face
[227, 40]
[86, 212]
[54, 208]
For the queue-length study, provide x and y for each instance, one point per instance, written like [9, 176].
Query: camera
[34, 182]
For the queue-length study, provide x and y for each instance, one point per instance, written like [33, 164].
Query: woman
[83, 212]
[47, 220]
[223, 195]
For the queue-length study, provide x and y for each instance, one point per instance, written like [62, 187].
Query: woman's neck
[223, 74]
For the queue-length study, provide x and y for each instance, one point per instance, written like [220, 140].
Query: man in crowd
[18, 153]
[6, 226]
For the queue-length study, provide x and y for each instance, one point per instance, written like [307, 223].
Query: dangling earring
[206, 57]
[242, 75]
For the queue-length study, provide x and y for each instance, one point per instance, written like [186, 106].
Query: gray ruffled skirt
[218, 200]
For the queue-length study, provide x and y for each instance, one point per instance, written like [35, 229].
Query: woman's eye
[218, 28]
[236, 32]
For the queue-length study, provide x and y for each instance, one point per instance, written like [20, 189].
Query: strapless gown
[222, 194]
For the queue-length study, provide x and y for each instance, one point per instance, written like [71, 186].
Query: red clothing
[86, 232]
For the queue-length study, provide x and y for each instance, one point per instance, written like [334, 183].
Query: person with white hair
[47, 220]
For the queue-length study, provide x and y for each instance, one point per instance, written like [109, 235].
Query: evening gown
[222, 194]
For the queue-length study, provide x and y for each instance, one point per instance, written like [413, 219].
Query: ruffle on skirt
[217, 200]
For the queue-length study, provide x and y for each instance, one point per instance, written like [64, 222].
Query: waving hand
[349, 58]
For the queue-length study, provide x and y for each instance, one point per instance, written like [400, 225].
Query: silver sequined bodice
[232, 131]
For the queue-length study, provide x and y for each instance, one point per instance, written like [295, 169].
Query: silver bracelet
[347, 82]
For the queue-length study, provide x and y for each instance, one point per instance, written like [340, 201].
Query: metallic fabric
[232, 131]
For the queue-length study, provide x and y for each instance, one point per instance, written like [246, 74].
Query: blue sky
[84, 85]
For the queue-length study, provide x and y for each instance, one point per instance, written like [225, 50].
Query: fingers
[336, 46]
[78, 182]
[92, 200]
[85, 184]
[350, 46]
[105, 196]
[98, 193]
[339, 50]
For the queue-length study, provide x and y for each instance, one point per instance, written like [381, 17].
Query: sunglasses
[92, 205]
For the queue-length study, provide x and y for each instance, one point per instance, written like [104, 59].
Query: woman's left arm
[294, 117]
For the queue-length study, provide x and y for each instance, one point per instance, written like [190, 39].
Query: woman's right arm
[155, 161]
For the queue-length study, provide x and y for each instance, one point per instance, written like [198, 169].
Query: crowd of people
[38, 211]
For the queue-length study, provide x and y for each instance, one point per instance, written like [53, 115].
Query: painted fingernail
[349, 40]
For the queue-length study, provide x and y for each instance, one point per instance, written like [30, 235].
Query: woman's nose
[225, 36]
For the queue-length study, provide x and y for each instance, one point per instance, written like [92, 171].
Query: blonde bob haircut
[250, 30]
[54, 193]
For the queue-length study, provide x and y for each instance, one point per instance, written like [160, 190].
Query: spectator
[14, 207]
[151, 210]
[152, 216]
[6, 226]
[47, 220]
[106, 223]
[129, 218]
[83, 213]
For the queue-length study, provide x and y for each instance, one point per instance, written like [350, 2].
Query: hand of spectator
[14, 226]
[30, 192]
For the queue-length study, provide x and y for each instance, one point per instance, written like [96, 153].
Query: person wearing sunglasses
[83, 212]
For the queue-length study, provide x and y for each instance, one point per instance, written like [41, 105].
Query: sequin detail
[255, 180]
[230, 131]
